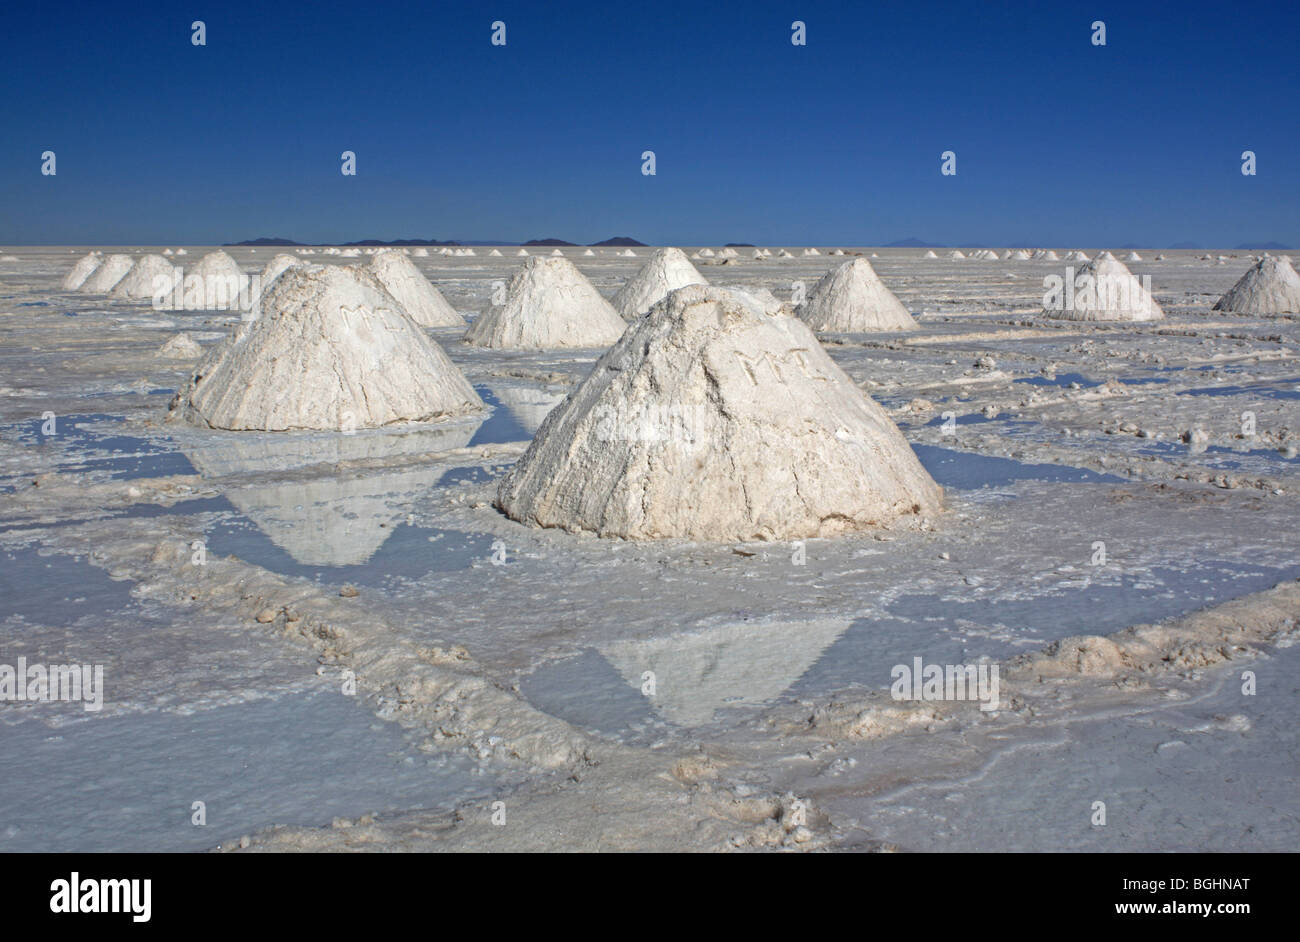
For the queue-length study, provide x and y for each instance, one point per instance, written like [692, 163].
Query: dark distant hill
[739, 245]
[265, 240]
[912, 244]
[548, 242]
[1184, 245]
[619, 241]
[275, 241]
[1266, 246]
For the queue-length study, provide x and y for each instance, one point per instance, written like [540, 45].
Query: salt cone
[711, 420]
[549, 304]
[853, 299]
[666, 270]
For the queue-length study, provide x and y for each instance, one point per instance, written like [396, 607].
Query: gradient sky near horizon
[1058, 142]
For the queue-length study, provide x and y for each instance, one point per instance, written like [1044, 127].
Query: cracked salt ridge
[128, 783]
[956, 630]
[1212, 770]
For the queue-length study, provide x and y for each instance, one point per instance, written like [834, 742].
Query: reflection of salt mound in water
[529, 405]
[549, 304]
[420, 299]
[1107, 291]
[711, 420]
[332, 350]
[85, 266]
[151, 275]
[1271, 286]
[330, 520]
[852, 299]
[110, 271]
[666, 270]
[697, 674]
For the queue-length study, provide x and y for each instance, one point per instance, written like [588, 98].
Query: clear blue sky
[838, 142]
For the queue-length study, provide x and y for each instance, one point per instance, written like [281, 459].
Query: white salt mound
[180, 347]
[110, 271]
[811, 252]
[219, 268]
[1116, 295]
[422, 252]
[332, 351]
[1132, 257]
[710, 420]
[549, 304]
[588, 254]
[150, 275]
[82, 270]
[557, 253]
[627, 253]
[495, 253]
[419, 299]
[929, 254]
[522, 253]
[277, 266]
[956, 253]
[1271, 286]
[853, 299]
[705, 253]
[666, 270]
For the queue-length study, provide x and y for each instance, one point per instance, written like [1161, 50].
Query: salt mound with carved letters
[712, 420]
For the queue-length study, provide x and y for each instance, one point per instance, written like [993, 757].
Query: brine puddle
[131, 783]
[88, 444]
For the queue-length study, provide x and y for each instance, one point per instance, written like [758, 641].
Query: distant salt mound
[666, 270]
[331, 351]
[419, 299]
[852, 299]
[168, 252]
[1076, 256]
[522, 253]
[1051, 256]
[494, 253]
[1271, 286]
[82, 270]
[728, 253]
[549, 304]
[811, 251]
[110, 271]
[351, 253]
[422, 252]
[588, 254]
[758, 253]
[705, 253]
[627, 253]
[837, 252]
[220, 266]
[929, 254]
[956, 253]
[277, 266]
[1132, 257]
[1008, 255]
[150, 276]
[556, 253]
[180, 347]
[1110, 292]
[1021, 256]
[710, 420]
[182, 252]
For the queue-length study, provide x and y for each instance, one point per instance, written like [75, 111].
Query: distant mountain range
[909, 243]
[277, 240]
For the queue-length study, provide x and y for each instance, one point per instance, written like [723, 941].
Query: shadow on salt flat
[129, 783]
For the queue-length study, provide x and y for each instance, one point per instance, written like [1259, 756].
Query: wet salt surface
[966, 470]
[129, 783]
[1212, 771]
[86, 444]
[407, 553]
[43, 586]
